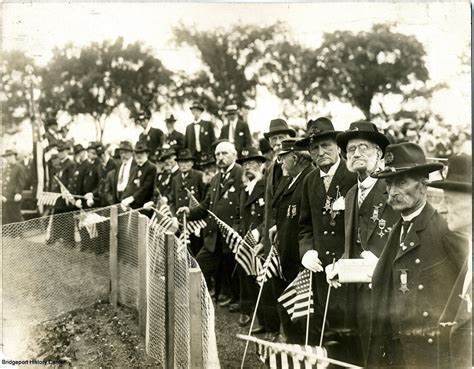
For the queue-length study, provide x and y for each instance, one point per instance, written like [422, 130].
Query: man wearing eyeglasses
[368, 221]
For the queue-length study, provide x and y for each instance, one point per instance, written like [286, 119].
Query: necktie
[405, 227]
[121, 178]
[327, 182]
[231, 131]
[362, 194]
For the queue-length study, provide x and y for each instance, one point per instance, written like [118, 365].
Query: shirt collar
[331, 170]
[409, 218]
[175, 168]
[229, 168]
[251, 185]
[367, 183]
[295, 178]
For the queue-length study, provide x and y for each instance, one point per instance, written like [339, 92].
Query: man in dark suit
[223, 199]
[139, 189]
[199, 134]
[174, 139]
[321, 227]
[368, 220]
[13, 180]
[121, 176]
[416, 271]
[252, 208]
[52, 132]
[236, 130]
[164, 180]
[455, 323]
[286, 206]
[188, 179]
[153, 138]
[106, 165]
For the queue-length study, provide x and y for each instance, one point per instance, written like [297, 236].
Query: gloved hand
[258, 249]
[332, 272]
[272, 234]
[311, 261]
[125, 204]
[17, 197]
[4, 199]
[148, 205]
[89, 196]
[183, 209]
[90, 202]
[256, 234]
[78, 204]
[175, 226]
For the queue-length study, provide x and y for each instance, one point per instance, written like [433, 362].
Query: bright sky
[444, 29]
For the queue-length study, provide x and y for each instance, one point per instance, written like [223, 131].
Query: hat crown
[185, 154]
[363, 126]
[170, 118]
[288, 144]
[278, 125]
[460, 169]
[404, 155]
[140, 147]
[320, 125]
[250, 151]
[77, 148]
[231, 108]
[125, 145]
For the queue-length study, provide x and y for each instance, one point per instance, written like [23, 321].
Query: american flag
[232, 238]
[297, 298]
[162, 218]
[89, 221]
[245, 255]
[66, 195]
[194, 226]
[270, 268]
[47, 198]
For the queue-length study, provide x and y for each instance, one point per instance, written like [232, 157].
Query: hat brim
[196, 107]
[259, 158]
[452, 186]
[422, 168]
[143, 150]
[376, 137]
[9, 154]
[125, 149]
[186, 158]
[305, 142]
[290, 131]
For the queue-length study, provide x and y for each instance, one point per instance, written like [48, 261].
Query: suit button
[230, 202]
[333, 233]
[430, 341]
[420, 287]
[231, 217]
[324, 213]
[425, 314]
[327, 252]
[417, 261]
[325, 232]
[412, 244]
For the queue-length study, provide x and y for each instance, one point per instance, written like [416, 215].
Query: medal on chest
[382, 225]
[375, 213]
[404, 281]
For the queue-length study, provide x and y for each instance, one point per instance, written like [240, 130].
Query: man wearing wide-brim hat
[207, 164]
[367, 222]
[139, 189]
[455, 343]
[123, 172]
[163, 180]
[173, 139]
[152, 137]
[13, 180]
[200, 133]
[416, 271]
[236, 130]
[321, 223]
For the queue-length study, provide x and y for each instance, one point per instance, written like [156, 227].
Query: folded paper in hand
[356, 270]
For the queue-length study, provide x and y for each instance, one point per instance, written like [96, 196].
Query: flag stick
[255, 310]
[309, 306]
[326, 308]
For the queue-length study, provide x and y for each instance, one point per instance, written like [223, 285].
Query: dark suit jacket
[162, 184]
[67, 174]
[175, 139]
[140, 184]
[13, 180]
[206, 137]
[252, 207]
[242, 138]
[114, 195]
[286, 206]
[101, 190]
[315, 229]
[224, 203]
[179, 196]
[404, 325]
[154, 139]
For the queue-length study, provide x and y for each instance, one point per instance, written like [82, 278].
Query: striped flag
[289, 356]
[270, 268]
[245, 254]
[66, 195]
[89, 221]
[194, 226]
[48, 198]
[162, 219]
[232, 238]
[298, 295]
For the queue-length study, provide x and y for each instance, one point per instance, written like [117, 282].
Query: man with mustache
[252, 207]
[321, 224]
[416, 271]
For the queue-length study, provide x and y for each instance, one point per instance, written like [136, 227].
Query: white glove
[123, 207]
[90, 202]
[311, 261]
[175, 226]
[78, 204]
[256, 234]
[332, 271]
[89, 196]
[258, 249]
[148, 205]
[128, 200]
[369, 255]
[4, 199]
[17, 197]
[272, 234]
[183, 209]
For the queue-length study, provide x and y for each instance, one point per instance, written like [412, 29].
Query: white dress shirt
[124, 175]
[197, 131]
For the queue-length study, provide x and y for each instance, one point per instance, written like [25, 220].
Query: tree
[15, 88]
[355, 68]
[98, 78]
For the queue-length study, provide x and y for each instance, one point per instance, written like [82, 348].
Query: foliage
[356, 67]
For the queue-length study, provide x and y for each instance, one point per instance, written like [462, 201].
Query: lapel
[192, 136]
[257, 192]
[304, 172]
[412, 240]
[337, 179]
[349, 213]
[230, 181]
[378, 198]
[282, 186]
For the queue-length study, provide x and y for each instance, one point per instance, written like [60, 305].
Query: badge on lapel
[261, 201]
[137, 182]
[232, 189]
[241, 133]
[375, 212]
[404, 281]
[139, 173]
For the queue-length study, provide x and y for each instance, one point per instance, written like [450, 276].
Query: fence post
[142, 261]
[195, 308]
[113, 256]
[170, 299]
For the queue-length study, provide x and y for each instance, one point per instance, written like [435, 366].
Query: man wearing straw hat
[455, 343]
[13, 180]
[417, 269]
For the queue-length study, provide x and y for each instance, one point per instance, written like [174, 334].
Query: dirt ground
[99, 337]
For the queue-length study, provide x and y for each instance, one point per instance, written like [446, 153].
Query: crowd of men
[351, 207]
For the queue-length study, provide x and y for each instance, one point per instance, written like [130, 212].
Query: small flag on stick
[298, 295]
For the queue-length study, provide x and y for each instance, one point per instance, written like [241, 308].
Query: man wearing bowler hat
[139, 189]
[199, 134]
[152, 137]
[417, 269]
[321, 223]
[52, 132]
[190, 180]
[455, 342]
[173, 139]
[236, 130]
[163, 180]
[13, 180]
[123, 173]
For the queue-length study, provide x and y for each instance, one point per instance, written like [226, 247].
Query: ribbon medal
[403, 281]
[375, 214]
[382, 224]
[327, 205]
